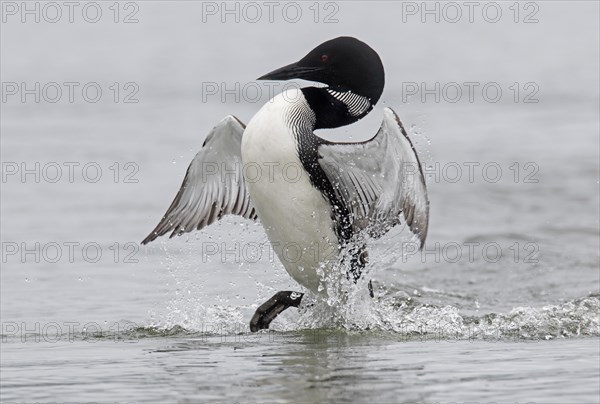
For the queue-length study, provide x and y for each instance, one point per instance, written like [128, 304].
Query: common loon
[313, 197]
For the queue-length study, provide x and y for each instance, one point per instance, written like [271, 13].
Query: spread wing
[379, 180]
[213, 186]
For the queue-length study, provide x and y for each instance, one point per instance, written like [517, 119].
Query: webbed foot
[273, 307]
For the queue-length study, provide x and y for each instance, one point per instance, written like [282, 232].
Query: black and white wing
[213, 186]
[379, 180]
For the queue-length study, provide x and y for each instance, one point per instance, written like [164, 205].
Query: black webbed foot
[272, 307]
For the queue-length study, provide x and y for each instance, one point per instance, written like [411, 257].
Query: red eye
[324, 58]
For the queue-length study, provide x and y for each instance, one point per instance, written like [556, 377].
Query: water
[503, 306]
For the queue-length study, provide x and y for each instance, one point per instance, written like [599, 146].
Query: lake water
[502, 306]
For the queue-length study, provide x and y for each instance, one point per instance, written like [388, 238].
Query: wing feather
[380, 180]
[213, 186]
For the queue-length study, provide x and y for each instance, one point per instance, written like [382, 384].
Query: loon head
[352, 70]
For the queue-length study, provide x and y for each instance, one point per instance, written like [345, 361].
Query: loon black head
[350, 68]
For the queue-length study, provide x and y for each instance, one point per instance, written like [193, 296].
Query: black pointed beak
[291, 71]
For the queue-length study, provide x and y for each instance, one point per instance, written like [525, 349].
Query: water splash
[404, 312]
[410, 319]
[403, 319]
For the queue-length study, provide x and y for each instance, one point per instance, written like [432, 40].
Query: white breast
[295, 215]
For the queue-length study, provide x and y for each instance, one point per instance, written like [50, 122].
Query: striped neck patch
[356, 104]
